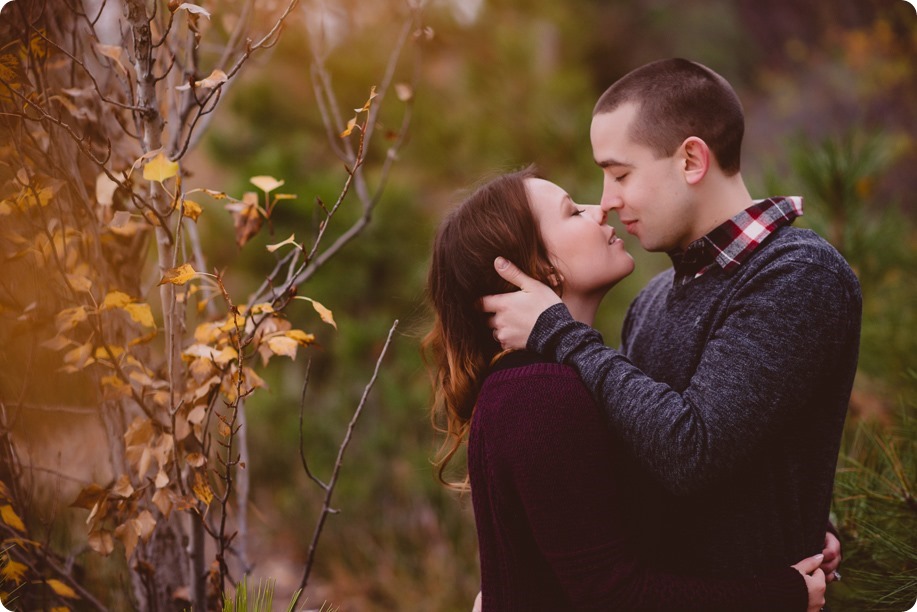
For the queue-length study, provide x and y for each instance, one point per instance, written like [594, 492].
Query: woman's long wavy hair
[496, 219]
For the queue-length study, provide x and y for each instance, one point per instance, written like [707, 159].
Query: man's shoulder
[802, 246]
[660, 283]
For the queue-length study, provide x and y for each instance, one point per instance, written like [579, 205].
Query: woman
[549, 504]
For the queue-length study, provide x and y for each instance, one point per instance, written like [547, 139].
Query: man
[732, 382]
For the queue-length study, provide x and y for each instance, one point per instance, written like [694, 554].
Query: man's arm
[737, 394]
[514, 314]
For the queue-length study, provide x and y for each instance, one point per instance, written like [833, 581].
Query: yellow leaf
[178, 276]
[202, 489]
[89, 497]
[273, 247]
[69, 318]
[145, 524]
[114, 388]
[192, 210]
[197, 414]
[142, 339]
[160, 168]
[266, 183]
[162, 479]
[162, 501]
[300, 336]
[251, 380]
[234, 320]
[4, 491]
[220, 357]
[150, 216]
[116, 299]
[246, 217]
[206, 332]
[369, 101]
[123, 487]
[61, 589]
[326, 315]
[78, 358]
[14, 571]
[79, 282]
[282, 345]
[216, 77]
[128, 536]
[102, 352]
[349, 129]
[195, 459]
[101, 542]
[5, 208]
[262, 307]
[141, 313]
[10, 517]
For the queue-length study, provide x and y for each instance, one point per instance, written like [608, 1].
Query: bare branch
[329, 490]
[302, 452]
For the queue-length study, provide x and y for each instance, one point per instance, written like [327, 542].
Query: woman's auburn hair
[495, 220]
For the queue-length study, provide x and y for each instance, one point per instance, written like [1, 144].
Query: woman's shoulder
[516, 366]
[527, 386]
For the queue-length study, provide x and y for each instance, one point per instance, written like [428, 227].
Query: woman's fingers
[810, 564]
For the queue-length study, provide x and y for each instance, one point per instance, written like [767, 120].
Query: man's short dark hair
[676, 99]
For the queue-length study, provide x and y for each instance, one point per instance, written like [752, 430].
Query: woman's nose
[596, 212]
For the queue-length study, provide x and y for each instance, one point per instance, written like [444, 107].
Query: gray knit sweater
[730, 393]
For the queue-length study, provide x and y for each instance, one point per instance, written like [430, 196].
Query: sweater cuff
[545, 335]
[784, 589]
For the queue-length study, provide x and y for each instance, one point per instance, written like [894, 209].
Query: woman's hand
[815, 581]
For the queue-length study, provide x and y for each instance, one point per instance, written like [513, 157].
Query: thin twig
[329, 490]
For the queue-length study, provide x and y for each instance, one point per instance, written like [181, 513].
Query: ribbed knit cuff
[543, 337]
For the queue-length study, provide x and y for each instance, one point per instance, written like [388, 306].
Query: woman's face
[584, 250]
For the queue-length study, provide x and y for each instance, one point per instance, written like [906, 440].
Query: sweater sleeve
[756, 367]
[551, 440]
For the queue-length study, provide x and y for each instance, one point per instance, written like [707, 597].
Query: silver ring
[837, 575]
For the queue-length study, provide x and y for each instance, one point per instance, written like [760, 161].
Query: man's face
[650, 195]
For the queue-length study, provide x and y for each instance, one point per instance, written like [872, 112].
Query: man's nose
[611, 200]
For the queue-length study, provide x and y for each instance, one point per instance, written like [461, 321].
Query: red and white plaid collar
[732, 242]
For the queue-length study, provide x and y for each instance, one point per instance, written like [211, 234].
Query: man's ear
[696, 157]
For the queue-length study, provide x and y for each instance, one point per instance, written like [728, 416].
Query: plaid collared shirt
[731, 243]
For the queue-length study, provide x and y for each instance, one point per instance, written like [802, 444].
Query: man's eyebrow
[612, 163]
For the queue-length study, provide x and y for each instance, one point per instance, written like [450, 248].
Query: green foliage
[260, 599]
[876, 512]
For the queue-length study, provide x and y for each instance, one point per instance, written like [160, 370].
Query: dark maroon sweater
[548, 504]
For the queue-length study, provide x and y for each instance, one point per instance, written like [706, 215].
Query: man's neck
[719, 200]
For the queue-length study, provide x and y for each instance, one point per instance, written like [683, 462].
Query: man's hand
[832, 560]
[514, 314]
